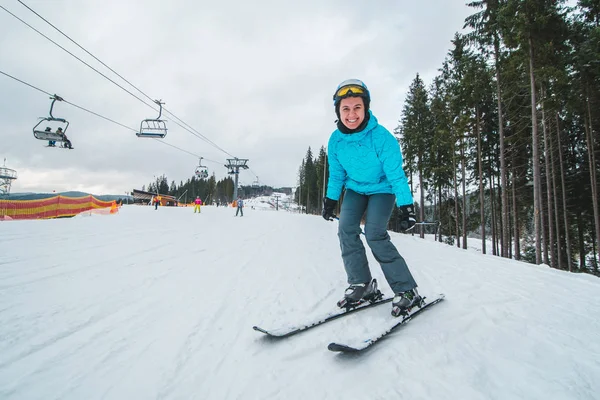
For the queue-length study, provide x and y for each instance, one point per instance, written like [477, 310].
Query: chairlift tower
[277, 197]
[7, 175]
[234, 165]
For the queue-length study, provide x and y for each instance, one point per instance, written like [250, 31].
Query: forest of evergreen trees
[504, 141]
[210, 190]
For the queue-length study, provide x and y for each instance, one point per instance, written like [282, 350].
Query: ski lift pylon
[153, 128]
[57, 126]
[201, 171]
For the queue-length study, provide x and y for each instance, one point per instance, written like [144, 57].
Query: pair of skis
[358, 345]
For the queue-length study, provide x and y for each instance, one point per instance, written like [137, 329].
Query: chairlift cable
[79, 59]
[212, 161]
[192, 131]
[66, 101]
[92, 112]
[89, 111]
[188, 127]
[84, 49]
[201, 136]
[249, 169]
[178, 148]
[25, 83]
[99, 115]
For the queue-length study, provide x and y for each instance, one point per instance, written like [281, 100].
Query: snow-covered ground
[275, 202]
[160, 305]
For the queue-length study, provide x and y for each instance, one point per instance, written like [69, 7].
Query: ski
[396, 323]
[293, 329]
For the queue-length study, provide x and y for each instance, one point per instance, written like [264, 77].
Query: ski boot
[360, 293]
[404, 302]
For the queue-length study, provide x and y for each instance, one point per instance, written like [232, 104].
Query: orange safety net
[52, 207]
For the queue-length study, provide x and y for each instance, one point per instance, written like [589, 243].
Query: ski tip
[341, 348]
[259, 329]
[272, 334]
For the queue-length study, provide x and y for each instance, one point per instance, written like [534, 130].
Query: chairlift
[153, 128]
[55, 128]
[201, 171]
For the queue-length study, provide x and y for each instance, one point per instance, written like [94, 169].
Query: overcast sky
[254, 77]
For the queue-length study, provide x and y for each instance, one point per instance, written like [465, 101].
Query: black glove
[329, 208]
[407, 217]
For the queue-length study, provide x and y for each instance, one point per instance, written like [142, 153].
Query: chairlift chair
[52, 132]
[201, 171]
[153, 128]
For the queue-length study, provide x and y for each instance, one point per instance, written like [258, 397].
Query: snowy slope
[160, 305]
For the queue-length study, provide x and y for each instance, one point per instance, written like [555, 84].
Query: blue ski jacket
[367, 162]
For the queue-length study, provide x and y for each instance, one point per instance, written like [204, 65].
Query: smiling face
[352, 112]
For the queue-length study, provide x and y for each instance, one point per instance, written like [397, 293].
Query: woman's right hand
[329, 209]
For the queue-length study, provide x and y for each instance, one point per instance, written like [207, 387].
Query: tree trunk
[493, 206]
[564, 195]
[494, 221]
[464, 190]
[307, 199]
[457, 230]
[517, 237]
[504, 238]
[510, 238]
[440, 202]
[421, 199]
[581, 237]
[592, 161]
[324, 177]
[554, 171]
[481, 193]
[300, 195]
[549, 190]
[434, 214]
[537, 189]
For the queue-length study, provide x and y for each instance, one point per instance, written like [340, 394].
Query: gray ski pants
[378, 209]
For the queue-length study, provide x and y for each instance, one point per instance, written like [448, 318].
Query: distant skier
[366, 159]
[240, 207]
[156, 202]
[197, 204]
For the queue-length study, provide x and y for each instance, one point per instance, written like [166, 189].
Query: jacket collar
[352, 137]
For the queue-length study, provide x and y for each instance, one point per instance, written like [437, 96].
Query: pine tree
[441, 156]
[487, 33]
[311, 188]
[417, 135]
[322, 172]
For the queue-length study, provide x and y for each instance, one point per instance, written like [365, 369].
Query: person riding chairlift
[67, 143]
[51, 143]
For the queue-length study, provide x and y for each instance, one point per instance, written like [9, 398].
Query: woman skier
[365, 158]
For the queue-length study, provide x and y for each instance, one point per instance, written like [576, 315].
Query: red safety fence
[52, 207]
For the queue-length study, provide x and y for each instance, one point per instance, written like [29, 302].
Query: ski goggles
[351, 86]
